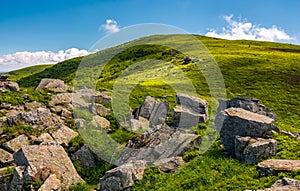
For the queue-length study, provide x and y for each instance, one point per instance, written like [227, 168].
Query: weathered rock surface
[5, 158]
[6, 84]
[123, 176]
[17, 143]
[39, 162]
[162, 143]
[169, 165]
[249, 104]
[101, 122]
[234, 122]
[101, 110]
[274, 166]
[190, 111]
[94, 96]
[152, 110]
[33, 106]
[51, 183]
[251, 150]
[284, 184]
[141, 124]
[53, 84]
[18, 179]
[40, 118]
[63, 135]
[60, 101]
[86, 158]
[44, 137]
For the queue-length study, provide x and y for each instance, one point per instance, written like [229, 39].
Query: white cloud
[242, 29]
[24, 59]
[111, 26]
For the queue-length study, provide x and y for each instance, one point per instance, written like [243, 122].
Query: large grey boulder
[251, 150]
[234, 122]
[123, 177]
[249, 104]
[190, 111]
[152, 110]
[39, 162]
[53, 84]
[274, 166]
[86, 158]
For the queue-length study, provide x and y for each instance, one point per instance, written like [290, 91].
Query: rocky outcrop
[61, 101]
[274, 166]
[252, 150]
[94, 96]
[234, 122]
[41, 162]
[6, 158]
[53, 84]
[86, 158]
[33, 106]
[40, 119]
[249, 104]
[140, 124]
[123, 177]
[6, 84]
[162, 143]
[152, 110]
[189, 112]
[63, 135]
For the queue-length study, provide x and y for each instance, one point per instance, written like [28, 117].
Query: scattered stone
[44, 137]
[101, 122]
[101, 110]
[66, 113]
[239, 122]
[63, 135]
[169, 165]
[274, 166]
[5, 158]
[53, 84]
[152, 110]
[40, 161]
[51, 183]
[251, 150]
[8, 85]
[249, 104]
[80, 123]
[17, 143]
[86, 158]
[40, 119]
[33, 106]
[123, 177]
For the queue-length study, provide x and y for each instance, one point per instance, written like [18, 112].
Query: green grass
[22, 73]
[265, 70]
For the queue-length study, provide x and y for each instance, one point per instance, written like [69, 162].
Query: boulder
[5, 158]
[51, 183]
[152, 110]
[161, 143]
[249, 104]
[44, 137]
[274, 166]
[80, 123]
[101, 110]
[140, 124]
[33, 106]
[189, 111]
[86, 158]
[60, 101]
[285, 184]
[6, 84]
[234, 122]
[251, 150]
[39, 162]
[53, 84]
[40, 119]
[17, 143]
[18, 179]
[101, 122]
[123, 177]
[169, 165]
[94, 96]
[63, 135]
[66, 113]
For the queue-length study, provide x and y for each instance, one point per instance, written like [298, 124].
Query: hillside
[264, 70]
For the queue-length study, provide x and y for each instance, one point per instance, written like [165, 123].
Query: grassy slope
[22, 73]
[268, 71]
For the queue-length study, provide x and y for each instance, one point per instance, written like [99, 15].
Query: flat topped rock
[273, 166]
[241, 113]
[53, 84]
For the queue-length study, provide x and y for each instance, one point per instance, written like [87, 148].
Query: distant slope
[24, 72]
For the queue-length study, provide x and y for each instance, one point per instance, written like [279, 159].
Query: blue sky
[73, 26]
